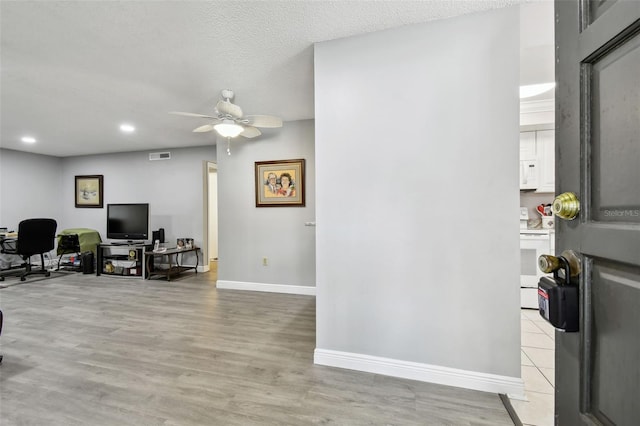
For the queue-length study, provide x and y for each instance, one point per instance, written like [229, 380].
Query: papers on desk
[8, 234]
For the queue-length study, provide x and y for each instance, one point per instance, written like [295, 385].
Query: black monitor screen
[128, 221]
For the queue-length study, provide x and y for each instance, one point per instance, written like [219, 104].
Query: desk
[7, 259]
[8, 237]
[175, 268]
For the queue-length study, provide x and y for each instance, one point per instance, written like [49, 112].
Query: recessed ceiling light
[535, 89]
[28, 139]
[127, 128]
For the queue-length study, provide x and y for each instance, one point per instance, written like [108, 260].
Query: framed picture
[280, 183]
[89, 191]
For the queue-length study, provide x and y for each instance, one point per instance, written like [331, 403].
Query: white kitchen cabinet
[545, 147]
[528, 146]
[537, 160]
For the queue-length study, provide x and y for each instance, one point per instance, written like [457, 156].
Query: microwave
[529, 174]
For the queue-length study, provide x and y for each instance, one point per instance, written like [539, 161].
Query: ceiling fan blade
[205, 128]
[268, 121]
[225, 108]
[191, 114]
[250, 132]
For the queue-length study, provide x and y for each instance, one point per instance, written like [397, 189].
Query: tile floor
[537, 352]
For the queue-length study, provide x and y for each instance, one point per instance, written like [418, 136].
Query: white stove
[533, 243]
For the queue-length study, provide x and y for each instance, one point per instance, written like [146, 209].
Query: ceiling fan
[229, 121]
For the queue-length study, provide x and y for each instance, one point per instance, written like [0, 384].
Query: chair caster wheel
[23, 278]
[47, 274]
[1, 278]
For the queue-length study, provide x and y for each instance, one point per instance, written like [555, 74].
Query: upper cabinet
[537, 161]
[545, 146]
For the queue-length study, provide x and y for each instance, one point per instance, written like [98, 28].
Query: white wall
[30, 187]
[37, 185]
[43, 186]
[417, 202]
[248, 233]
[173, 189]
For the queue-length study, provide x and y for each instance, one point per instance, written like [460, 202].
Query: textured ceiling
[73, 71]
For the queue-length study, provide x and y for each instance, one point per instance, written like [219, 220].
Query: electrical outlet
[265, 261]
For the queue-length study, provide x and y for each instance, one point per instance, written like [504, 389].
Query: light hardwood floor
[87, 350]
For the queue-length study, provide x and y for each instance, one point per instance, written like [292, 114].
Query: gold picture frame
[280, 183]
[89, 191]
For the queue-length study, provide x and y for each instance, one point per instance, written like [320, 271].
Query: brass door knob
[548, 263]
[566, 206]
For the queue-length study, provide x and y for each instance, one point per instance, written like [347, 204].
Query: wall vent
[155, 156]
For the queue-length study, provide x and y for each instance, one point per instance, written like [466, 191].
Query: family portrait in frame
[279, 183]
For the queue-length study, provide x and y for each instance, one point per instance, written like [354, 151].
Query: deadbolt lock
[566, 206]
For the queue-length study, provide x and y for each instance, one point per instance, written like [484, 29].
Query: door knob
[566, 206]
[548, 263]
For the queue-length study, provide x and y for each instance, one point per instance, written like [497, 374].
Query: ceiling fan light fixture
[228, 129]
[127, 128]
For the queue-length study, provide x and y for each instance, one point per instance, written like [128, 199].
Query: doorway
[537, 124]
[211, 215]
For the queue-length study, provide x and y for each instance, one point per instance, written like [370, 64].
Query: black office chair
[35, 236]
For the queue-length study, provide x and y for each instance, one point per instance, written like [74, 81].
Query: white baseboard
[269, 288]
[421, 372]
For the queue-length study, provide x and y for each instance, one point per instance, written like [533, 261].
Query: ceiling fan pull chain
[228, 146]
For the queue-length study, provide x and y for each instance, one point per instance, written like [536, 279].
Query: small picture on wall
[89, 191]
[280, 183]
